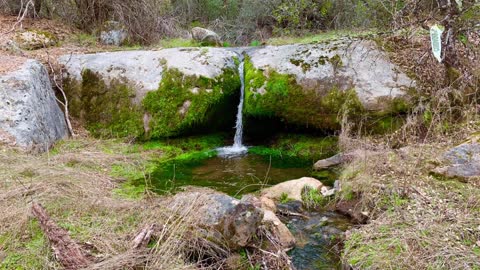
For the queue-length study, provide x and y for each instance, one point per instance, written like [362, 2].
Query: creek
[235, 171]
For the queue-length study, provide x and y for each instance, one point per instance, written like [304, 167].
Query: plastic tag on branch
[436, 40]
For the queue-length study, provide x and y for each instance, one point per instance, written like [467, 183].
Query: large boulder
[308, 85]
[462, 162]
[152, 93]
[29, 114]
[174, 91]
[205, 36]
[218, 217]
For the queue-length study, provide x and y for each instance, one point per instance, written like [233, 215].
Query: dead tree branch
[64, 103]
[21, 15]
[66, 251]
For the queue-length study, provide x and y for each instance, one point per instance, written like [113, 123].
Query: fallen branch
[71, 257]
[143, 238]
[66, 251]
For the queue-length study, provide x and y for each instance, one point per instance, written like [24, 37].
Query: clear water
[316, 238]
[239, 175]
[235, 175]
[237, 148]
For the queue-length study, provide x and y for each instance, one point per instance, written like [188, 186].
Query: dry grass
[417, 221]
[74, 185]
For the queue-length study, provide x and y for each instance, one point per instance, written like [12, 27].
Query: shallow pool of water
[234, 176]
[249, 173]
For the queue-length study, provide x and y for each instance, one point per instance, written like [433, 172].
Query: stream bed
[239, 175]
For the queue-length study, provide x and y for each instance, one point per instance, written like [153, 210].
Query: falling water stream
[237, 148]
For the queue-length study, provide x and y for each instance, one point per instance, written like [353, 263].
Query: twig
[65, 102]
[20, 16]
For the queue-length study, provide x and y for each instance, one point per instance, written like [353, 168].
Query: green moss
[107, 111]
[182, 104]
[185, 102]
[271, 94]
[27, 251]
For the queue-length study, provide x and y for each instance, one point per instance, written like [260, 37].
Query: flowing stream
[237, 148]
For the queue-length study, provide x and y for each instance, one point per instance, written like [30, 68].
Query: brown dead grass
[75, 187]
[417, 221]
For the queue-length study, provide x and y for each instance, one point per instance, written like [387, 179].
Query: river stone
[292, 189]
[221, 218]
[462, 161]
[29, 114]
[276, 227]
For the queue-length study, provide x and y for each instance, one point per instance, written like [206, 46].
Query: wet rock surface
[30, 117]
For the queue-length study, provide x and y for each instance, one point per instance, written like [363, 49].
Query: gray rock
[206, 36]
[330, 162]
[462, 161]
[344, 64]
[29, 114]
[33, 40]
[10, 46]
[113, 34]
[223, 219]
[143, 70]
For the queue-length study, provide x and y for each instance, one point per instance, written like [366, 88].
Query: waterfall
[239, 125]
[237, 148]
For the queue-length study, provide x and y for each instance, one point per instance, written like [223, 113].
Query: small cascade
[237, 148]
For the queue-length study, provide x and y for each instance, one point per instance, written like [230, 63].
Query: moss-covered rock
[184, 102]
[106, 110]
[180, 104]
[153, 94]
[315, 85]
[271, 94]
